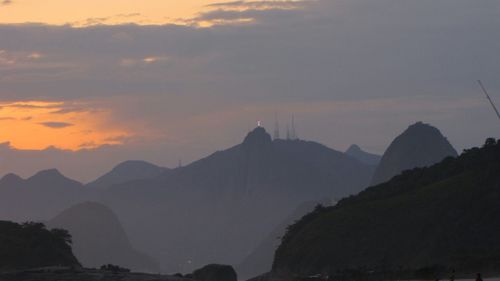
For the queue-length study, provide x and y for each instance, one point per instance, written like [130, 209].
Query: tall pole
[276, 127]
[293, 133]
[489, 98]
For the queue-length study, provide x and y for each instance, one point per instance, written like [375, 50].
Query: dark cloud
[6, 2]
[56, 125]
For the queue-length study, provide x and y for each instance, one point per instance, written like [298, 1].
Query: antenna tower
[276, 127]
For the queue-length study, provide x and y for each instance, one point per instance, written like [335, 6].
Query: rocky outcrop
[215, 272]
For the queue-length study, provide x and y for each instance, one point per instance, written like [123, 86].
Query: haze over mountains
[98, 238]
[39, 197]
[241, 193]
[219, 209]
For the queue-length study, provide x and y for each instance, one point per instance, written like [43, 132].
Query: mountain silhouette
[52, 179]
[127, 171]
[219, 208]
[363, 156]
[420, 145]
[99, 238]
[446, 215]
[38, 197]
[214, 210]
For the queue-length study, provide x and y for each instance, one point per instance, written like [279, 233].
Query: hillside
[447, 214]
[99, 238]
[420, 145]
[32, 245]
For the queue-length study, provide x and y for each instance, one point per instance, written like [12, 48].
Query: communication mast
[293, 133]
[276, 127]
[489, 98]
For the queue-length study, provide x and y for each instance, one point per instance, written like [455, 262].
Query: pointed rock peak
[258, 136]
[353, 148]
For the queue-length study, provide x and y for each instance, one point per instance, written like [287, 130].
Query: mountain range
[39, 197]
[224, 208]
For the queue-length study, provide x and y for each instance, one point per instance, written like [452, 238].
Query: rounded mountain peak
[53, 178]
[420, 145]
[11, 180]
[257, 137]
[423, 128]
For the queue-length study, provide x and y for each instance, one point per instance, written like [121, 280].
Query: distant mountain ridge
[128, 171]
[446, 215]
[420, 145]
[38, 197]
[216, 209]
[363, 156]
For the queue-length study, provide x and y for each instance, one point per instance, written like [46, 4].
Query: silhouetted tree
[62, 234]
[490, 142]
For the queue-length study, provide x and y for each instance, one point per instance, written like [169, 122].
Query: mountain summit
[52, 178]
[257, 138]
[420, 145]
[363, 156]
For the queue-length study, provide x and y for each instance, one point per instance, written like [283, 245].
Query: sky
[85, 85]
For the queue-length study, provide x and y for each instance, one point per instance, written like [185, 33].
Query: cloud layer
[193, 90]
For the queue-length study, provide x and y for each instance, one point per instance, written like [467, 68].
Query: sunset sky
[87, 84]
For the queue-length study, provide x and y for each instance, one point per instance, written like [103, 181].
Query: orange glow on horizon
[80, 13]
[37, 125]
[91, 12]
